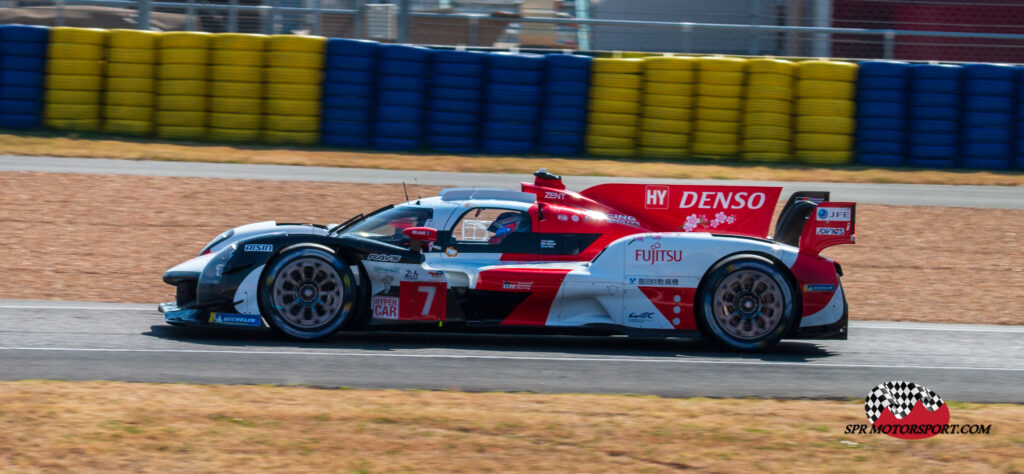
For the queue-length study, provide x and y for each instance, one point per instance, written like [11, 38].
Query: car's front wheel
[747, 303]
[307, 293]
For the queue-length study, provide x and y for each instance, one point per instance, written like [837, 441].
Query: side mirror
[421, 234]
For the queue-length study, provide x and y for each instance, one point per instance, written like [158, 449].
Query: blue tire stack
[349, 77]
[456, 98]
[881, 113]
[402, 73]
[986, 126]
[22, 74]
[934, 112]
[564, 114]
[513, 94]
[1019, 125]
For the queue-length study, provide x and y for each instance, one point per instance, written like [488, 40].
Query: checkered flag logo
[899, 397]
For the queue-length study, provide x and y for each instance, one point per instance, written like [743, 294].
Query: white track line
[488, 357]
[82, 308]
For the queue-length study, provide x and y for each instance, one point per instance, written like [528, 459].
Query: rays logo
[655, 254]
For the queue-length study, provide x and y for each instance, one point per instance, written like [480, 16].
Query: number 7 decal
[424, 301]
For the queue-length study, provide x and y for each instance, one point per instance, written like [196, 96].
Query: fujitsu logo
[656, 254]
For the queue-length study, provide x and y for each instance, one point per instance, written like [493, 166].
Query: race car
[634, 259]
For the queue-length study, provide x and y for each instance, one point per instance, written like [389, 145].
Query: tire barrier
[667, 107]
[512, 98]
[455, 101]
[74, 79]
[768, 111]
[181, 85]
[22, 72]
[361, 94]
[293, 91]
[986, 120]
[1019, 124]
[934, 112]
[719, 101]
[402, 73]
[564, 110]
[615, 107]
[235, 88]
[825, 112]
[130, 82]
[881, 116]
[348, 91]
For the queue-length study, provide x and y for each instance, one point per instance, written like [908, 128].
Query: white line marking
[487, 357]
[88, 308]
[1007, 329]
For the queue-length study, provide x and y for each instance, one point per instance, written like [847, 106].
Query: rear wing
[832, 223]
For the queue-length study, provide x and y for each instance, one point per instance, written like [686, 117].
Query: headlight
[220, 238]
[214, 270]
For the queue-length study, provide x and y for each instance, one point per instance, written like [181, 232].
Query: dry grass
[110, 238]
[106, 426]
[50, 144]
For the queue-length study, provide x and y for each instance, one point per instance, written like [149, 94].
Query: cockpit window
[387, 226]
[490, 226]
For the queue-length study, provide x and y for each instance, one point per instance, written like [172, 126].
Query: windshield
[387, 226]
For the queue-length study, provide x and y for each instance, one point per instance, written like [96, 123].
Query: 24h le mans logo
[906, 410]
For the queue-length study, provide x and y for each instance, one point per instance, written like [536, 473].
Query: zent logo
[834, 214]
[656, 197]
[554, 195]
[381, 257]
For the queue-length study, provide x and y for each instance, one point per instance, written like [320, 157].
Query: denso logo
[716, 200]
[656, 254]
[554, 195]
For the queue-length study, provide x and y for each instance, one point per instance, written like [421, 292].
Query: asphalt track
[88, 341]
[998, 197]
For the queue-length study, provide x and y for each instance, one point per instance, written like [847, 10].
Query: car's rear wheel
[747, 303]
[308, 293]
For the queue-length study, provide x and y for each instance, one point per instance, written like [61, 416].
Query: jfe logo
[656, 197]
[834, 214]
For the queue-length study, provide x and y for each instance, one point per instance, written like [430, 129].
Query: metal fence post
[889, 45]
[755, 36]
[190, 16]
[142, 22]
[317, 5]
[59, 20]
[474, 31]
[233, 16]
[403, 20]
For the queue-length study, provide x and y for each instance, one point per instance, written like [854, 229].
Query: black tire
[308, 294]
[746, 303]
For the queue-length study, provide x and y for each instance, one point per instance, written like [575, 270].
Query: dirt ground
[107, 426]
[46, 143]
[110, 238]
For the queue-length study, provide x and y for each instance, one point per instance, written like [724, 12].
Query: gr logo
[656, 197]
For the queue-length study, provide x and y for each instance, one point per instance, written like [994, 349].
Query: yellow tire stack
[668, 103]
[613, 119]
[181, 85]
[130, 82]
[719, 106]
[768, 117]
[825, 111]
[293, 75]
[236, 87]
[74, 78]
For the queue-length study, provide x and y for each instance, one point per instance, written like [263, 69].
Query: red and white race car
[672, 260]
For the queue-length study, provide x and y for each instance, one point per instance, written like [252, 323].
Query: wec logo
[655, 254]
